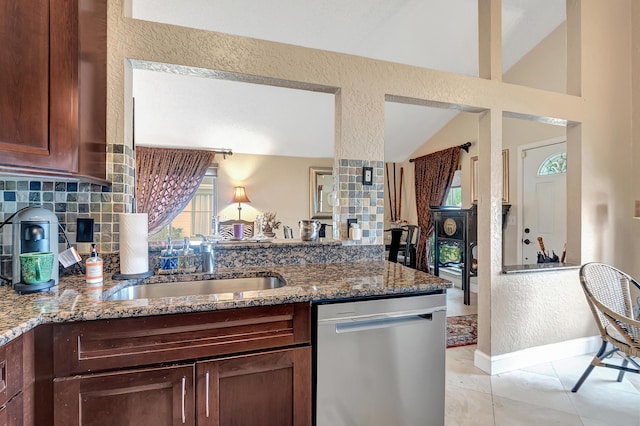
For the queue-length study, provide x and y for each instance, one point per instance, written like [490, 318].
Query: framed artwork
[505, 177]
[367, 175]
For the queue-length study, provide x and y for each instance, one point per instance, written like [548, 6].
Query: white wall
[273, 183]
[531, 309]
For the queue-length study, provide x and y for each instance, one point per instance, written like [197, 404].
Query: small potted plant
[271, 223]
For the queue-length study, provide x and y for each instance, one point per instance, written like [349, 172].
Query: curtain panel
[433, 177]
[166, 180]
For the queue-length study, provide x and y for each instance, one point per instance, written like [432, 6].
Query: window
[554, 165]
[454, 196]
[196, 216]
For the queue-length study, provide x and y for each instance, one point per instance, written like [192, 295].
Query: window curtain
[166, 180]
[433, 177]
[201, 217]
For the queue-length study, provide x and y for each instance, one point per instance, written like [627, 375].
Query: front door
[544, 201]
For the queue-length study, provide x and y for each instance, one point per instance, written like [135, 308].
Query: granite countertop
[74, 300]
[537, 267]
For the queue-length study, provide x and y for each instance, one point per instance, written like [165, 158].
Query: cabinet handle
[184, 394]
[206, 393]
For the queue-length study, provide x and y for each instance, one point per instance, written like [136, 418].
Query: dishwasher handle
[384, 322]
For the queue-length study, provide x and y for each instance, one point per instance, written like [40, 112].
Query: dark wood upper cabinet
[53, 82]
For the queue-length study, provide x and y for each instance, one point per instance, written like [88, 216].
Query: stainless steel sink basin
[194, 288]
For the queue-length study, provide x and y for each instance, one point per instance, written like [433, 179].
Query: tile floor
[538, 395]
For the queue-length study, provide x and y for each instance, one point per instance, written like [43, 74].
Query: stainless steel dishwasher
[381, 362]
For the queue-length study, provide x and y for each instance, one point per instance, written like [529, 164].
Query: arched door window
[554, 165]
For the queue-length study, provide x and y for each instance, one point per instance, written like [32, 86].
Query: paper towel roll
[134, 247]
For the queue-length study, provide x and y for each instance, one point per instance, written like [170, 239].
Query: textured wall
[601, 144]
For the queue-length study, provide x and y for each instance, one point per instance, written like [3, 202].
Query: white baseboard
[536, 355]
[456, 279]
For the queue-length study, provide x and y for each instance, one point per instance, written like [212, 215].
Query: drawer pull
[206, 393]
[184, 395]
[3, 375]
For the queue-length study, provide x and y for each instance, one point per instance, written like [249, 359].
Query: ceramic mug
[36, 267]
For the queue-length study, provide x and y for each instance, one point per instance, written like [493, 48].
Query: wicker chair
[608, 294]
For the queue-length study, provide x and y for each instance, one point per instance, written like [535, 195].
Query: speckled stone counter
[74, 300]
[537, 267]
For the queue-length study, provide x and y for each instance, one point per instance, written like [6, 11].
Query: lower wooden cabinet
[249, 366]
[270, 388]
[16, 382]
[154, 397]
[12, 413]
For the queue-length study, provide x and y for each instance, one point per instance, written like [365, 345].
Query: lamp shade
[240, 195]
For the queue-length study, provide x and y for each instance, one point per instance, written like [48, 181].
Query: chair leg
[625, 362]
[590, 367]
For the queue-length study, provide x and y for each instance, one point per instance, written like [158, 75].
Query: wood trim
[43, 367]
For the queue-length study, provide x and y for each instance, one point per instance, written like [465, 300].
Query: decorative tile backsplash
[72, 199]
[68, 200]
[362, 202]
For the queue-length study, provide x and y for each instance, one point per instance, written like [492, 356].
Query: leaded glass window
[554, 165]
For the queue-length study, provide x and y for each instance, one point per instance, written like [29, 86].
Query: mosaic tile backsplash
[362, 202]
[73, 199]
[69, 200]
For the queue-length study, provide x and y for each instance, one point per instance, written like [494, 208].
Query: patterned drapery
[166, 179]
[433, 177]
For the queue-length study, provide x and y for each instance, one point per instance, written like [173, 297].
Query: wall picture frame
[505, 177]
[367, 175]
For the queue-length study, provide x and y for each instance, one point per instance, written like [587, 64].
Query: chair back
[226, 228]
[608, 293]
[394, 247]
[288, 231]
[413, 234]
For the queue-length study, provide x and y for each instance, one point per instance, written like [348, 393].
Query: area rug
[462, 330]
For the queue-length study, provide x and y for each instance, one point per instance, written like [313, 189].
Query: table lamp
[240, 196]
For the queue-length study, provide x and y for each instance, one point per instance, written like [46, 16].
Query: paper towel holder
[140, 276]
[136, 276]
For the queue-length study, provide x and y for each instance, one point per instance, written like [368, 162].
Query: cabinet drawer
[10, 370]
[110, 344]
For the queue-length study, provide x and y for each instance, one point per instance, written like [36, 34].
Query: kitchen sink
[194, 288]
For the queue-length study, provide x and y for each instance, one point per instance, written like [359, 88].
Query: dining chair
[407, 253]
[226, 228]
[394, 246]
[608, 293]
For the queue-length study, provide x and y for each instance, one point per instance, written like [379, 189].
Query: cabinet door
[11, 414]
[37, 108]
[272, 388]
[11, 370]
[154, 397]
[53, 80]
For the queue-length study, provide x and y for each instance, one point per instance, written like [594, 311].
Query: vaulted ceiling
[180, 110]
